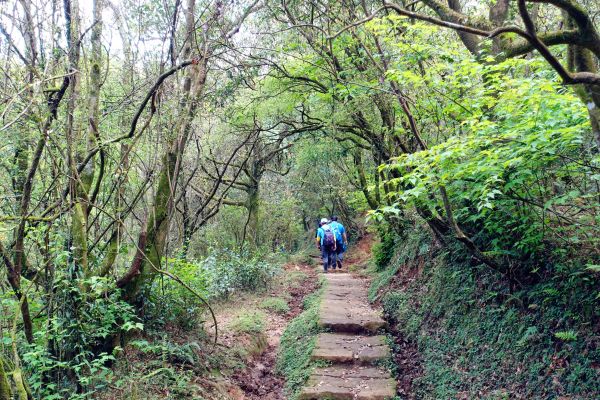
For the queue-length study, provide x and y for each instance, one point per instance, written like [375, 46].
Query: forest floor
[180, 364]
[243, 366]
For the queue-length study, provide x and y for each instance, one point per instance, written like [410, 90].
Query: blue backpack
[336, 231]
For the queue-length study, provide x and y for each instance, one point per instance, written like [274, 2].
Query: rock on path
[352, 347]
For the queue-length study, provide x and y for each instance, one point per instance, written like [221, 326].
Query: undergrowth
[480, 340]
[216, 277]
[160, 369]
[176, 345]
[297, 343]
[416, 245]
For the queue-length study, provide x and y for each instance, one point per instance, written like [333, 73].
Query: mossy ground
[275, 304]
[477, 339]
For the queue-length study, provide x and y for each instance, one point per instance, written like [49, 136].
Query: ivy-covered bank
[479, 339]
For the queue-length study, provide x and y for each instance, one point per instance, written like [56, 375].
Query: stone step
[346, 293]
[346, 383]
[346, 282]
[342, 348]
[343, 277]
[349, 317]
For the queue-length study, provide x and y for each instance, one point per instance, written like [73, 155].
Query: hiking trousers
[329, 259]
[339, 253]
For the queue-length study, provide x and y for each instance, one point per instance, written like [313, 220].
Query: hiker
[326, 242]
[341, 239]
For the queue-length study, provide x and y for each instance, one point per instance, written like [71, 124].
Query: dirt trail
[259, 380]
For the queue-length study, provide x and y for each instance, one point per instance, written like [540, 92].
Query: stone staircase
[352, 346]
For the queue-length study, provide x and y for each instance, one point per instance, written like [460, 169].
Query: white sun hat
[324, 220]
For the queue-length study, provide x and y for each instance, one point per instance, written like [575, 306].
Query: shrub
[170, 302]
[217, 276]
[229, 271]
[514, 177]
[383, 251]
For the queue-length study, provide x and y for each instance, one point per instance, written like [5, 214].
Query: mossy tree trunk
[5, 390]
[253, 206]
[120, 205]
[152, 241]
[583, 60]
[79, 182]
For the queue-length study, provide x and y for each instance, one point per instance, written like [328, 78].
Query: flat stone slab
[345, 307]
[349, 318]
[342, 348]
[344, 383]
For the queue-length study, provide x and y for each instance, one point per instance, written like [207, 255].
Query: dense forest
[164, 166]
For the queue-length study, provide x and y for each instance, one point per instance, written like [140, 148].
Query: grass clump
[250, 322]
[297, 344]
[295, 278]
[275, 304]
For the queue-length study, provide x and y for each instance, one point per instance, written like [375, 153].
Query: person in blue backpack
[341, 238]
[327, 243]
